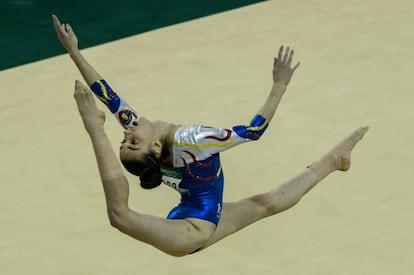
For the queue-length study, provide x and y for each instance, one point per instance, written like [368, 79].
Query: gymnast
[187, 158]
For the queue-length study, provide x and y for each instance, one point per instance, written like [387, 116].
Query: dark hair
[148, 170]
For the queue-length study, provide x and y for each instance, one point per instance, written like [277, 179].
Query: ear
[157, 148]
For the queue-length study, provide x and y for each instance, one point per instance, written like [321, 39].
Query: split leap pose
[187, 159]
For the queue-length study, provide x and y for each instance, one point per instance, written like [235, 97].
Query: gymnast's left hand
[282, 66]
[93, 118]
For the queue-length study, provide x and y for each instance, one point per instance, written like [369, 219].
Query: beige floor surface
[357, 59]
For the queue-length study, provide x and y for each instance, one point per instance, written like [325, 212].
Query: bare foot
[339, 157]
[91, 115]
[342, 151]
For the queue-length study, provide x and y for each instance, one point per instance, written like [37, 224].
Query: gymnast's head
[140, 153]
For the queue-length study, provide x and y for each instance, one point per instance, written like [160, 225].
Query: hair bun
[150, 178]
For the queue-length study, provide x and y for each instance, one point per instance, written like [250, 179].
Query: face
[138, 139]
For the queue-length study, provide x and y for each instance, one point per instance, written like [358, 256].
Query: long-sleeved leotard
[196, 173]
[118, 107]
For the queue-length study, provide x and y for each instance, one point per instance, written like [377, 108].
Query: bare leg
[237, 215]
[174, 237]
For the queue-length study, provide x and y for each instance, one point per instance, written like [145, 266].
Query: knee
[117, 217]
[193, 238]
[178, 254]
[270, 204]
[202, 238]
[188, 243]
[263, 205]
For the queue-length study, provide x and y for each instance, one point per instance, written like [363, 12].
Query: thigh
[237, 215]
[174, 237]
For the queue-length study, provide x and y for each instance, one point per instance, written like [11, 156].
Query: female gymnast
[187, 159]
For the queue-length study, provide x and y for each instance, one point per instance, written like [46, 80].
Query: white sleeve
[199, 142]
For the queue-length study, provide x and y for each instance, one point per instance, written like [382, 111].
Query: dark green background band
[27, 32]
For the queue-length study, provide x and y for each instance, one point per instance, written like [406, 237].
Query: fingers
[56, 21]
[60, 27]
[296, 66]
[57, 24]
[285, 57]
[69, 30]
[289, 61]
[280, 54]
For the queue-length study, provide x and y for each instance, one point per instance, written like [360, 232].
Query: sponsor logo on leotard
[218, 212]
[127, 116]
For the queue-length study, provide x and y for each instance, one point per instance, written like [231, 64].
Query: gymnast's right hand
[65, 35]
[93, 118]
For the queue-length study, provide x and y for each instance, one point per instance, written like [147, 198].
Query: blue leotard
[196, 173]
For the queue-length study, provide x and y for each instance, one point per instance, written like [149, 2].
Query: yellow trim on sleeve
[104, 91]
[202, 145]
[258, 128]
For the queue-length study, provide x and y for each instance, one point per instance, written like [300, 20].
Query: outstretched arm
[68, 38]
[217, 140]
[282, 74]
[120, 108]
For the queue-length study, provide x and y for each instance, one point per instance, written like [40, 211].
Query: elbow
[253, 136]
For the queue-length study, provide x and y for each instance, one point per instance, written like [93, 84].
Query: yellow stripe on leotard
[257, 128]
[204, 144]
[103, 89]
[219, 171]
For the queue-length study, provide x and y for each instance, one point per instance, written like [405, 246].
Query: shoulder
[198, 134]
